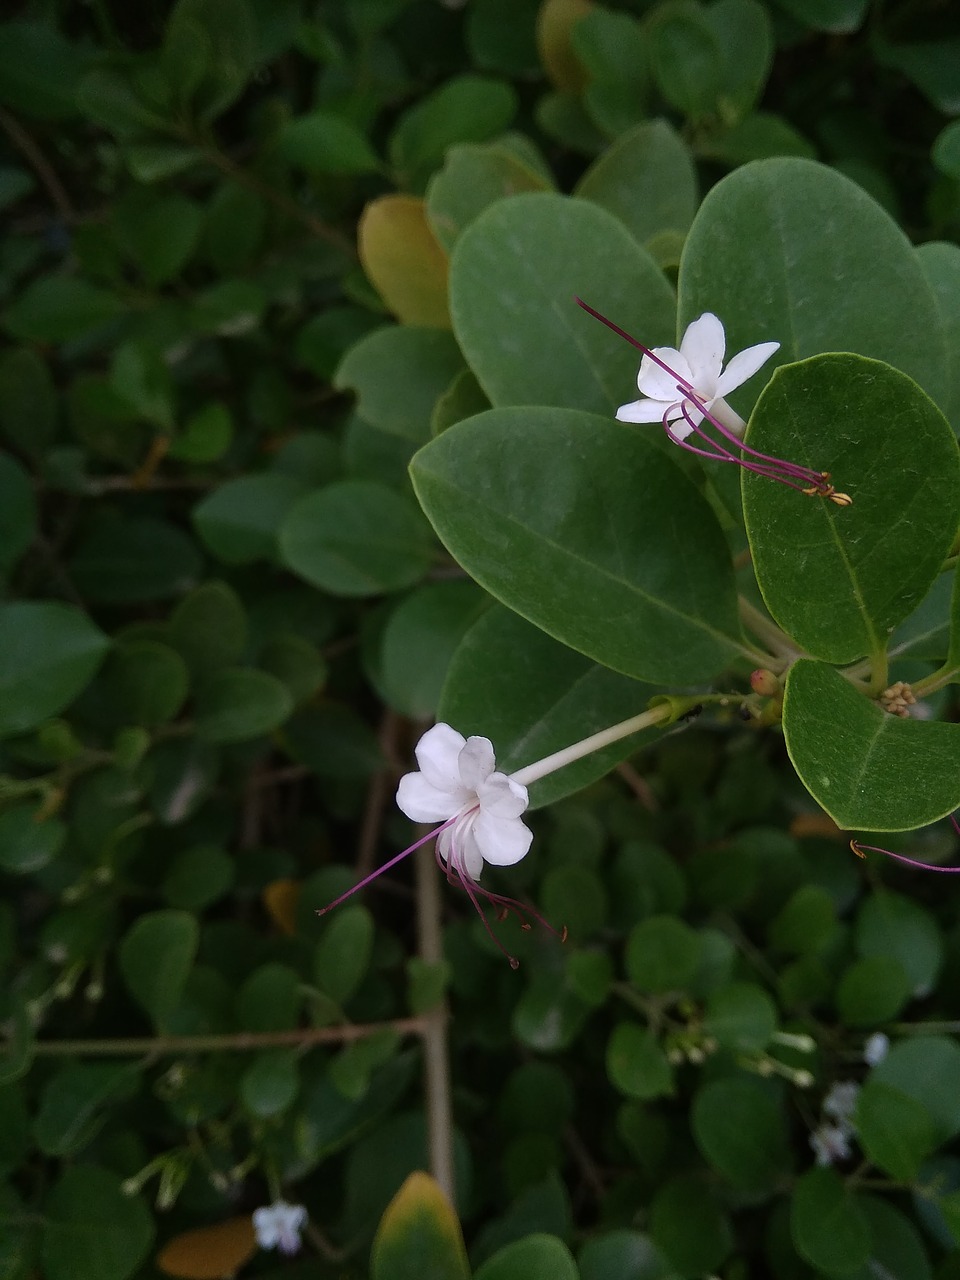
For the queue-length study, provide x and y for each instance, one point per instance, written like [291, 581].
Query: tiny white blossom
[831, 1142]
[841, 1100]
[876, 1049]
[698, 364]
[458, 784]
[278, 1226]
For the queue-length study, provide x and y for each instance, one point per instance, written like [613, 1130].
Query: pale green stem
[768, 631]
[930, 684]
[559, 759]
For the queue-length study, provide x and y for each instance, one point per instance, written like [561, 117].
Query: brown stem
[436, 1052]
[381, 788]
[40, 164]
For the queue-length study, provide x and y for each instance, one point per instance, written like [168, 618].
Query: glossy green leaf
[551, 508]
[536, 1257]
[740, 1016]
[356, 538]
[636, 1064]
[51, 652]
[889, 924]
[869, 770]
[399, 373]
[740, 1125]
[613, 49]
[646, 178]
[872, 991]
[240, 520]
[419, 1236]
[343, 953]
[787, 250]
[58, 308]
[897, 1244]
[122, 561]
[156, 954]
[421, 638]
[925, 1068]
[473, 177]
[92, 1230]
[18, 512]
[513, 275]
[829, 1229]
[321, 142]
[896, 1131]
[74, 1101]
[839, 579]
[940, 262]
[531, 696]
[466, 108]
[622, 1255]
[238, 704]
[688, 1227]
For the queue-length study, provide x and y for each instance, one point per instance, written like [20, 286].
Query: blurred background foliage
[223, 282]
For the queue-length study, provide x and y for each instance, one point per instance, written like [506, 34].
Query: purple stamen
[391, 862]
[861, 850]
[812, 483]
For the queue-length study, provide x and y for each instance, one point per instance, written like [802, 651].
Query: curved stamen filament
[861, 850]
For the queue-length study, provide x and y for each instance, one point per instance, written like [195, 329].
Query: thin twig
[436, 1052]
[639, 786]
[40, 164]
[381, 786]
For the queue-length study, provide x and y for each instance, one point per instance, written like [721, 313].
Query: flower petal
[421, 801]
[642, 411]
[702, 347]
[502, 797]
[475, 762]
[744, 365]
[502, 841]
[680, 428]
[438, 754]
[657, 383]
[459, 850]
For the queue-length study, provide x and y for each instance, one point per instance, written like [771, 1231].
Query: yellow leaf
[280, 897]
[419, 1234]
[404, 262]
[555, 23]
[209, 1253]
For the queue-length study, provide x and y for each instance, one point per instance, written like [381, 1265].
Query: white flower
[698, 364]
[841, 1100]
[458, 785]
[279, 1225]
[876, 1049]
[831, 1142]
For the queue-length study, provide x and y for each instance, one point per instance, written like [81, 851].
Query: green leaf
[786, 249]
[740, 1126]
[419, 641]
[334, 741]
[839, 17]
[941, 267]
[828, 1226]
[29, 838]
[741, 1017]
[209, 51]
[466, 108]
[356, 538]
[759, 136]
[240, 520]
[141, 381]
[889, 924]
[343, 953]
[124, 561]
[869, 770]
[550, 508]
[156, 954]
[18, 512]
[198, 876]
[160, 232]
[296, 663]
[270, 998]
[50, 654]
[663, 954]
[687, 59]
[688, 1227]
[513, 275]
[205, 436]
[897, 1244]
[399, 373]
[39, 70]
[58, 308]
[622, 1255]
[109, 98]
[613, 49]
[637, 1065]
[872, 991]
[419, 1236]
[238, 704]
[859, 570]
[73, 1102]
[324, 143]
[92, 1230]
[744, 32]
[647, 179]
[209, 628]
[147, 681]
[28, 401]
[270, 1083]
[926, 1068]
[536, 1257]
[473, 177]
[896, 1132]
